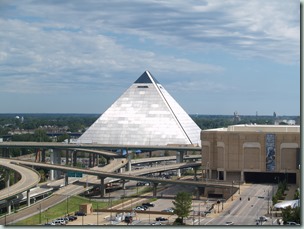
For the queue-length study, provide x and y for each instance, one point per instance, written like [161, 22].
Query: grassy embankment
[60, 209]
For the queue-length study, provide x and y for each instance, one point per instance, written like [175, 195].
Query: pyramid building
[145, 114]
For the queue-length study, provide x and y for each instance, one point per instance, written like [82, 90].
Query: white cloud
[51, 45]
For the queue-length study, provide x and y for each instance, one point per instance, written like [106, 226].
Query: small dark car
[72, 218]
[80, 214]
[148, 204]
[161, 219]
[128, 219]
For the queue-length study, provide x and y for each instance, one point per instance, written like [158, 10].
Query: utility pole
[67, 204]
[97, 213]
[199, 212]
[40, 215]
[268, 202]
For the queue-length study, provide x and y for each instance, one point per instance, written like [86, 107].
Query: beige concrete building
[252, 153]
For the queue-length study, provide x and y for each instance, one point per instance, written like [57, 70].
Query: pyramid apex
[146, 77]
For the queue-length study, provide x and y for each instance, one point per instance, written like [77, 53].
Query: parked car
[59, 222]
[65, 219]
[128, 219]
[161, 219]
[72, 217]
[262, 218]
[168, 210]
[145, 207]
[148, 204]
[229, 223]
[139, 208]
[140, 183]
[158, 223]
[80, 214]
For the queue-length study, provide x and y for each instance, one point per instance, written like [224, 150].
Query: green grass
[60, 210]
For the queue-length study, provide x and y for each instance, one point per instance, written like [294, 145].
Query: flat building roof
[259, 128]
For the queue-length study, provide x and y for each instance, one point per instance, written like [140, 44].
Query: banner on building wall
[270, 152]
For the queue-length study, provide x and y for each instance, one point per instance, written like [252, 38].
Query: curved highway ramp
[29, 179]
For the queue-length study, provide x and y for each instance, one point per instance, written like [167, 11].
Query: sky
[212, 56]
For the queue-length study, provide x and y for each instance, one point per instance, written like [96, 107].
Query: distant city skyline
[213, 56]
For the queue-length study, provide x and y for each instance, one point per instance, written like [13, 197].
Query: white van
[59, 222]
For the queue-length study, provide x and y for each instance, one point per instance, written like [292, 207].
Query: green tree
[182, 205]
[42, 175]
[291, 214]
[41, 136]
[63, 137]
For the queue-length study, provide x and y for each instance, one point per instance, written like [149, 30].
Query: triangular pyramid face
[145, 114]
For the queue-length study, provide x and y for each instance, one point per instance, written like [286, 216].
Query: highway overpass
[59, 145]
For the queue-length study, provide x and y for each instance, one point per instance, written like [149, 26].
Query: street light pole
[199, 212]
[207, 167]
[268, 202]
[40, 215]
[232, 190]
[97, 213]
[67, 204]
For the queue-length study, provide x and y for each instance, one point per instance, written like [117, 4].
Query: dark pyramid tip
[145, 78]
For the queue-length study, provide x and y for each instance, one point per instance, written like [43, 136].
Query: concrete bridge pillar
[90, 160]
[150, 154]
[7, 178]
[129, 166]
[242, 176]
[43, 156]
[197, 193]
[123, 184]
[66, 179]
[67, 154]
[179, 159]
[155, 189]
[94, 159]
[28, 199]
[7, 184]
[55, 159]
[195, 173]
[74, 158]
[178, 173]
[102, 187]
[9, 207]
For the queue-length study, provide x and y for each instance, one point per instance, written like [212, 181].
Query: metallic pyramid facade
[145, 114]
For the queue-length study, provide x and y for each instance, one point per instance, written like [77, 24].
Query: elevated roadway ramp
[168, 158]
[29, 179]
[59, 145]
[114, 165]
[99, 152]
[162, 168]
[86, 183]
[127, 176]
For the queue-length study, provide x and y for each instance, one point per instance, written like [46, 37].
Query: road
[244, 211]
[59, 145]
[29, 179]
